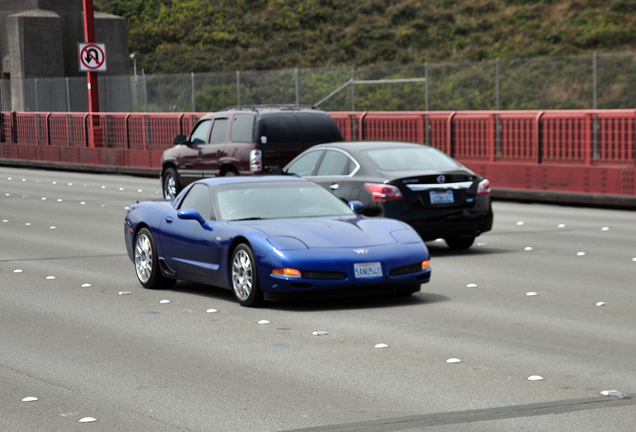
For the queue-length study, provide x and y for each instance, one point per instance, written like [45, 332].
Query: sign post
[92, 57]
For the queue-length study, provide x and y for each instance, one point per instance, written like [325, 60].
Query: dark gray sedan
[415, 183]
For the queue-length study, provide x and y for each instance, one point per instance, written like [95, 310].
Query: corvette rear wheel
[245, 277]
[147, 263]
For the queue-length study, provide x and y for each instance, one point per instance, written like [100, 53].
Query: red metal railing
[585, 137]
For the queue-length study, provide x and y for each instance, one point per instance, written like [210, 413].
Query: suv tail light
[383, 192]
[484, 187]
[256, 161]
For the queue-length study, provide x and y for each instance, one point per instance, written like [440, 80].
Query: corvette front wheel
[245, 277]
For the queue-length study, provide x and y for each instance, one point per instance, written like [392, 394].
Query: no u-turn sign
[92, 57]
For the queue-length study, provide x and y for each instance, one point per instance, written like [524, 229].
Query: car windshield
[274, 200]
[411, 158]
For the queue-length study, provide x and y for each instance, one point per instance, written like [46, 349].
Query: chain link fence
[603, 81]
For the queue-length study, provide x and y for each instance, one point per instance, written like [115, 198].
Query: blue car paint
[201, 252]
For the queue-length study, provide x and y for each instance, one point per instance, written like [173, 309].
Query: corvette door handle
[334, 186]
[169, 219]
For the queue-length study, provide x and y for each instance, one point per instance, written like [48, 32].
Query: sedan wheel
[147, 263]
[459, 242]
[245, 277]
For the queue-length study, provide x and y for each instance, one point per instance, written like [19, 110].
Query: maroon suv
[243, 142]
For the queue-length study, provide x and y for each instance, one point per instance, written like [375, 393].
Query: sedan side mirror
[192, 214]
[356, 206]
[180, 139]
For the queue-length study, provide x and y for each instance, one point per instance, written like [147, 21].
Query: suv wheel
[171, 186]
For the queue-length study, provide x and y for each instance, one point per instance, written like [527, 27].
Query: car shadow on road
[441, 250]
[318, 304]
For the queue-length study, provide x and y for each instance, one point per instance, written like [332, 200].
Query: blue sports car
[263, 236]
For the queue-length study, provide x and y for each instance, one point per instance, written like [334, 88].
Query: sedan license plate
[445, 197]
[368, 270]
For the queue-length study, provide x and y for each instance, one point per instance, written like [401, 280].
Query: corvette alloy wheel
[143, 258]
[245, 276]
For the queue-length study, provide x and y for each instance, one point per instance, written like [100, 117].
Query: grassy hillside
[225, 35]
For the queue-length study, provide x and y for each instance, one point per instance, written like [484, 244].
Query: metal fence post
[426, 93]
[194, 106]
[297, 94]
[68, 96]
[497, 82]
[595, 82]
[353, 89]
[238, 88]
[145, 90]
[35, 84]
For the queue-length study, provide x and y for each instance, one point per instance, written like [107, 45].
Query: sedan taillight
[383, 192]
[484, 187]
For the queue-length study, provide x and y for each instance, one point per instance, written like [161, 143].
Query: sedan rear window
[404, 159]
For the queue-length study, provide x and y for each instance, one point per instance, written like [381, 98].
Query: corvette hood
[333, 232]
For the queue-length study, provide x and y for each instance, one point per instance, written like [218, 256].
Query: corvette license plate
[368, 270]
[445, 197]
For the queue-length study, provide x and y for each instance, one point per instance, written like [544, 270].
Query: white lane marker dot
[52, 228]
[600, 303]
[87, 285]
[211, 311]
[50, 277]
[529, 248]
[320, 333]
[453, 360]
[580, 254]
[381, 345]
[87, 420]
[471, 285]
[535, 378]
[263, 322]
[605, 229]
[17, 271]
[561, 225]
[164, 301]
[520, 223]
[531, 294]
[124, 292]
[29, 399]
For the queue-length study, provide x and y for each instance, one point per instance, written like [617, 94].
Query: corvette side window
[200, 134]
[199, 198]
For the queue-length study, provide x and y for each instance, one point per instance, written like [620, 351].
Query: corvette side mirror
[355, 205]
[192, 214]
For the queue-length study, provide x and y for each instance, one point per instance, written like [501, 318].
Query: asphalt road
[72, 338]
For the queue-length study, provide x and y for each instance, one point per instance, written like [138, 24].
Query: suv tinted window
[318, 128]
[198, 198]
[281, 128]
[218, 131]
[200, 134]
[242, 128]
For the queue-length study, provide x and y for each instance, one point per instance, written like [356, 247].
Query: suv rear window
[317, 129]
[281, 128]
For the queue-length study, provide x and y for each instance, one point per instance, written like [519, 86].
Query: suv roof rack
[265, 106]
